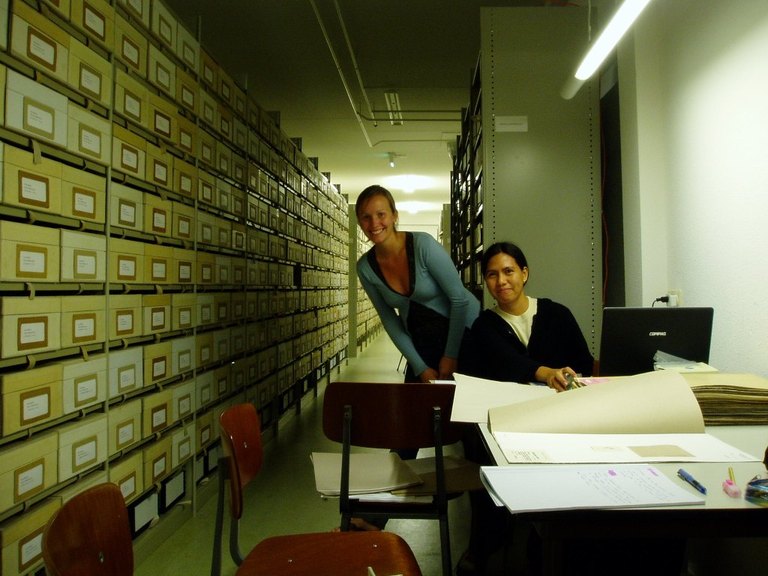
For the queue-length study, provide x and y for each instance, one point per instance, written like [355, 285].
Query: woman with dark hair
[523, 339]
[415, 288]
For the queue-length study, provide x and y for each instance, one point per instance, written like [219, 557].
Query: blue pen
[691, 480]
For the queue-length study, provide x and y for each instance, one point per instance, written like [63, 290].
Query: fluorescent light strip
[617, 27]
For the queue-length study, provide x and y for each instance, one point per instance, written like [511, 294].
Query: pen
[691, 480]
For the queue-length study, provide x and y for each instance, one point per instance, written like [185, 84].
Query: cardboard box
[84, 383]
[240, 139]
[184, 262]
[127, 207]
[224, 158]
[83, 256]
[163, 118]
[206, 188]
[157, 411]
[157, 313]
[28, 253]
[157, 215]
[183, 222]
[131, 45]
[223, 232]
[22, 539]
[131, 98]
[187, 90]
[205, 430]
[83, 320]
[157, 362]
[206, 149]
[161, 71]
[82, 445]
[185, 180]
[182, 445]
[28, 468]
[89, 73]
[204, 346]
[209, 71]
[238, 236]
[38, 41]
[89, 134]
[30, 325]
[31, 397]
[82, 484]
[223, 269]
[225, 124]
[183, 400]
[188, 138]
[124, 426]
[83, 195]
[128, 474]
[29, 182]
[126, 371]
[159, 167]
[125, 316]
[205, 388]
[126, 261]
[96, 18]
[164, 25]
[138, 9]
[206, 268]
[206, 228]
[158, 263]
[221, 381]
[157, 460]
[129, 152]
[183, 311]
[182, 355]
[60, 6]
[239, 268]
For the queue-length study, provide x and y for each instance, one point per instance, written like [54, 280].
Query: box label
[41, 49]
[185, 448]
[163, 77]
[185, 405]
[84, 264]
[124, 322]
[159, 218]
[125, 433]
[29, 480]
[159, 466]
[126, 212]
[90, 141]
[84, 203]
[132, 106]
[185, 318]
[86, 390]
[39, 118]
[35, 405]
[185, 272]
[30, 549]
[33, 189]
[83, 327]
[162, 124]
[94, 21]
[131, 52]
[84, 453]
[32, 333]
[126, 378]
[129, 157]
[159, 368]
[31, 261]
[158, 318]
[128, 485]
[160, 173]
[126, 267]
[159, 417]
[90, 81]
[185, 360]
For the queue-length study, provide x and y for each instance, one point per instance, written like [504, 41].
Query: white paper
[474, 396]
[543, 448]
[537, 488]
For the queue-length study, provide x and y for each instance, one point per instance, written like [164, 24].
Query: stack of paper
[728, 399]
[537, 488]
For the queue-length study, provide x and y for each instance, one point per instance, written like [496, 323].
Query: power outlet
[675, 298]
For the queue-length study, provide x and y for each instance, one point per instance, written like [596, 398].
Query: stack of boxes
[165, 251]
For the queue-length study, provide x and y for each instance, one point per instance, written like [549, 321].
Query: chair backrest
[240, 428]
[90, 535]
[389, 415]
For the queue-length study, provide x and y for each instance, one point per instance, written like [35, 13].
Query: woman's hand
[554, 377]
[446, 368]
[428, 375]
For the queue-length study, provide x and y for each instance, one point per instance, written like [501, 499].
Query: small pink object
[731, 489]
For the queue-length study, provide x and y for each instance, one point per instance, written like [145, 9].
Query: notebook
[631, 337]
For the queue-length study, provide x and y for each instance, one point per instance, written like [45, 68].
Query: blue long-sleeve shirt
[434, 284]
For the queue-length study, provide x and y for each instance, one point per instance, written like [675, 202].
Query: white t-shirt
[521, 324]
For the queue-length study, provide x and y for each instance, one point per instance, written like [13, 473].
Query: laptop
[631, 337]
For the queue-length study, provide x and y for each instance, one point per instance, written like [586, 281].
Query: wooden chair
[318, 554]
[394, 416]
[90, 535]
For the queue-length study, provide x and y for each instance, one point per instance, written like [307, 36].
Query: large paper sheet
[537, 448]
[369, 472]
[654, 402]
[537, 488]
[475, 396]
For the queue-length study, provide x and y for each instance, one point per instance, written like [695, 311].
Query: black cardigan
[495, 352]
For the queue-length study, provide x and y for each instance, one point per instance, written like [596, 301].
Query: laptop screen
[631, 337]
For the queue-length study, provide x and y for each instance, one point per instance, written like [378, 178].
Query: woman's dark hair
[369, 193]
[503, 248]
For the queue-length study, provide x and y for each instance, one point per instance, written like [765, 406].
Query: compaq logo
[657, 333]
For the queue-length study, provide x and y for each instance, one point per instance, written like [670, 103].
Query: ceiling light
[392, 100]
[605, 43]
[392, 159]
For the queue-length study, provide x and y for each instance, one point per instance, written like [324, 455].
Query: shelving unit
[527, 164]
[166, 251]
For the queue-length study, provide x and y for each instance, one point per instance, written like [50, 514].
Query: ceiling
[326, 65]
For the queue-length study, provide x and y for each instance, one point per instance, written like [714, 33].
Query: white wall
[694, 93]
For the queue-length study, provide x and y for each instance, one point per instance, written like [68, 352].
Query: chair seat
[331, 554]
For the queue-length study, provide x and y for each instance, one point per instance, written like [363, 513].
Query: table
[719, 516]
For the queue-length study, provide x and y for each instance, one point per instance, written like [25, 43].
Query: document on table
[538, 448]
[475, 396]
[369, 472]
[540, 488]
